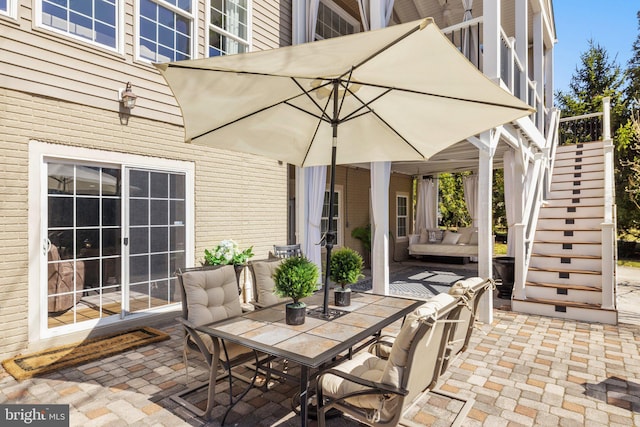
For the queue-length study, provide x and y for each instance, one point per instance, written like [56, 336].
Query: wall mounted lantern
[127, 97]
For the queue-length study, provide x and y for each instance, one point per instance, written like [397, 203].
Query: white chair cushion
[397, 360]
[363, 365]
[264, 285]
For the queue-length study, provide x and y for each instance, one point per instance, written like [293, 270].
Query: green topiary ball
[346, 266]
[296, 278]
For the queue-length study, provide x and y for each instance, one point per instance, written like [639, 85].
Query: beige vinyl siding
[239, 197]
[43, 62]
[399, 184]
[271, 24]
[356, 187]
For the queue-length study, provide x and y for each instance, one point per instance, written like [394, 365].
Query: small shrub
[346, 267]
[296, 278]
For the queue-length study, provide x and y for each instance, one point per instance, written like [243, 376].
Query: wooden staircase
[565, 272]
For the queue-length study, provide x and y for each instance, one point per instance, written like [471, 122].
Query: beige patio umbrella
[397, 94]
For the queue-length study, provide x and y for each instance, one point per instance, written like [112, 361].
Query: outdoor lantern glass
[128, 98]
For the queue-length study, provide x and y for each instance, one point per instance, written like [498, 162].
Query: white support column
[548, 78]
[538, 66]
[491, 39]
[380, 174]
[522, 44]
[485, 207]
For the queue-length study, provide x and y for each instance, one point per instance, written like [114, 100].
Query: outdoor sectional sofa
[445, 243]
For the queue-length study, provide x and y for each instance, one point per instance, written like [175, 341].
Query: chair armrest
[193, 334]
[376, 387]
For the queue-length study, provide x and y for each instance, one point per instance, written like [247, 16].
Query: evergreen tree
[633, 73]
[595, 78]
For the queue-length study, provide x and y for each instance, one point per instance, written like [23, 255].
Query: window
[113, 234]
[228, 27]
[337, 217]
[91, 20]
[8, 7]
[334, 22]
[166, 30]
[402, 215]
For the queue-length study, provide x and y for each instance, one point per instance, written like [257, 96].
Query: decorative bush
[296, 278]
[346, 267]
[227, 252]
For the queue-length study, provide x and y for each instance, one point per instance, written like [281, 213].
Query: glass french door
[115, 236]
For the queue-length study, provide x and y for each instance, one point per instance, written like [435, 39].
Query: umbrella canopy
[405, 93]
[400, 93]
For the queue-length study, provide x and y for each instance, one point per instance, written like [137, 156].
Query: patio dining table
[313, 345]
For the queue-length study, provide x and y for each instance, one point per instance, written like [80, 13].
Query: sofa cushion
[465, 235]
[450, 238]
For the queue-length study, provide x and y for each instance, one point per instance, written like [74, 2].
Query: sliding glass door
[115, 236]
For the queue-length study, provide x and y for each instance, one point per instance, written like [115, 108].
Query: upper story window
[334, 22]
[228, 27]
[166, 30]
[8, 7]
[92, 20]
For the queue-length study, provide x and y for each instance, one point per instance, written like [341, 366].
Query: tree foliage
[452, 207]
[597, 77]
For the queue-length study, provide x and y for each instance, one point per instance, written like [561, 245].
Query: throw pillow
[465, 235]
[424, 237]
[473, 240]
[450, 238]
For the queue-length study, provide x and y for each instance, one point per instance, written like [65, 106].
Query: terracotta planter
[342, 297]
[295, 313]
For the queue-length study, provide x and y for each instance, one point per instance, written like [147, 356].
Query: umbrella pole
[331, 233]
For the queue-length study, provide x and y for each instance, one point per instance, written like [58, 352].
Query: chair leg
[460, 416]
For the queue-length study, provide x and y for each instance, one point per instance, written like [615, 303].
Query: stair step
[554, 263]
[577, 175]
[568, 249]
[582, 312]
[571, 212]
[576, 200]
[582, 153]
[578, 184]
[569, 223]
[568, 236]
[578, 168]
[565, 256]
[569, 271]
[567, 287]
[596, 160]
[573, 148]
[564, 293]
[573, 193]
[564, 303]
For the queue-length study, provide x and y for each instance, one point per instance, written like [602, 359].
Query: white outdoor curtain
[316, 182]
[470, 186]
[469, 36]
[312, 19]
[426, 216]
[315, 176]
[510, 198]
[364, 6]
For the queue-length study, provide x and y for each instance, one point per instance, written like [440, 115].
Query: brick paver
[521, 370]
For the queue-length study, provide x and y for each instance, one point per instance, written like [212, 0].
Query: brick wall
[236, 196]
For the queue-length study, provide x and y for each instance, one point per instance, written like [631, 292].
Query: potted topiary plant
[296, 278]
[346, 268]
